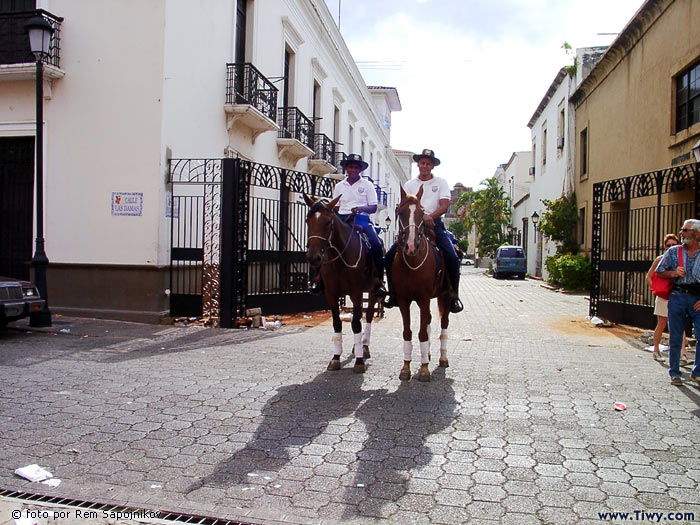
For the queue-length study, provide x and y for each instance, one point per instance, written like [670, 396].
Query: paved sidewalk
[249, 426]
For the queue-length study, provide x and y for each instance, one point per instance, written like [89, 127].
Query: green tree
[461, 233]
[560, 222]
[488, 210]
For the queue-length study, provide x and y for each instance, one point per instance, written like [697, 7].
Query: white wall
[550, 179]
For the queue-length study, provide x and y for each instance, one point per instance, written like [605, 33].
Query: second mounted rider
[358, 200]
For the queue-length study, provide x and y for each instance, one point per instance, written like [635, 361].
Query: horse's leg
[356, 324]
[405, 307]
[424, 338]
[337, 335]
[444, 308]
[371, 300]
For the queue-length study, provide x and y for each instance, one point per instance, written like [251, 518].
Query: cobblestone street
[249, 425]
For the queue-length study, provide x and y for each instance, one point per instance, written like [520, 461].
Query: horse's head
[319, 221]
[409, 213]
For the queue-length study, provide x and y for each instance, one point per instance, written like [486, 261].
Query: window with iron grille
[688, 97]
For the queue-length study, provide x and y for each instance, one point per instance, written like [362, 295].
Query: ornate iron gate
[631, 215]
[238, 238]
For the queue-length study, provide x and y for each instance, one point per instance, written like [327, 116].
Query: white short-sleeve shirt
[362, 193]
[434, 190]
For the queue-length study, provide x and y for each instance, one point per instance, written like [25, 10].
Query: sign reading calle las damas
[127, 203]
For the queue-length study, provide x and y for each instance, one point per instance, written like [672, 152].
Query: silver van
[510, 260]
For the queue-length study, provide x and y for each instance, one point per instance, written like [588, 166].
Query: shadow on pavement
[380, 455]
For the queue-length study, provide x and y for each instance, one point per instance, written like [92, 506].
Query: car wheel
[521, 276]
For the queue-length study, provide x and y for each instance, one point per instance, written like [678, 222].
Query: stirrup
[380, 291]
[456, 306]
[315, 288]
[389, 301]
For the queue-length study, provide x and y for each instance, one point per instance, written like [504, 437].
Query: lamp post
[387, 221]
[535, 219]
[509, 229]
[40, 32]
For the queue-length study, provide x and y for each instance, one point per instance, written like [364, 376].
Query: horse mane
[321, 206]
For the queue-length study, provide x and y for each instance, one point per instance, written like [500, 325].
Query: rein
[340, 252]
[421, 236]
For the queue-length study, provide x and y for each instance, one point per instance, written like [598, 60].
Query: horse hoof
[424, 374]
[444, 363]
[365, 352]
[405, 375]
[359, 368]
[334, 365]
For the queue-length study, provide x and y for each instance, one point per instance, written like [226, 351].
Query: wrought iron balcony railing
[381, 195]
[295, 125]
[14, 41]
[338, 158]
[324, 148]
[246, 85]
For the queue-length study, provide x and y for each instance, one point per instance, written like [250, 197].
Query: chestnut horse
[338, 249]
[415, 277]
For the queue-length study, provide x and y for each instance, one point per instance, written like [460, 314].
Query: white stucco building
[553, 151]
[132, 84]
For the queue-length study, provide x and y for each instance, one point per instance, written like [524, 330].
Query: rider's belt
[690, 289]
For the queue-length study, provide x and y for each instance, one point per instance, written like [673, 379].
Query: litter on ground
[33, 473]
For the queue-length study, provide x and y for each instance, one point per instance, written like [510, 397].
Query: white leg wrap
[443, 344]
[358, 345]
[337, 343]
[407, 350]
[424, 351]
[368, 333]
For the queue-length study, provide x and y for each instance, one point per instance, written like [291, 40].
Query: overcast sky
[470, 73]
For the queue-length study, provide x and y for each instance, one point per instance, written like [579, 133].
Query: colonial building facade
[132, 86]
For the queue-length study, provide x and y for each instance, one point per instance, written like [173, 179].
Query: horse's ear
[333, 203]
[309, 201]
[403, 193]
[420, 192]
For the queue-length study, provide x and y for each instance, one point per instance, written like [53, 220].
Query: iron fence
[14, 42]
[630, 217]
[238, 238]
[295, 125]
[246, 85]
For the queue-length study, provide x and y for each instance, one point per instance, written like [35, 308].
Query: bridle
[420, 231]
[329, 240]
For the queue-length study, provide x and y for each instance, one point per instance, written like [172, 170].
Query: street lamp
[40, 32]
[535, 219]
[387, 221]
[509, 229]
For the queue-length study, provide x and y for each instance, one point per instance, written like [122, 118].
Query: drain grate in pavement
[124, 512]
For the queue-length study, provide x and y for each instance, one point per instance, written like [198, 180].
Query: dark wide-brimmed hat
[354, 158]
[427, 154]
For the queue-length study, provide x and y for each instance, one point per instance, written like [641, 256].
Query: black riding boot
[455, 305]
[379, 289]
[390, 300]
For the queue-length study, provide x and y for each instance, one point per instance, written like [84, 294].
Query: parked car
[467, 262]
[510, 260]
[18, 299]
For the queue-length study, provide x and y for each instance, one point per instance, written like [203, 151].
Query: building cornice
[629, 37]
[548, 96]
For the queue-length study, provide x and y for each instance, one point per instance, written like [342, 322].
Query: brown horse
[341, 253]
[415, 277]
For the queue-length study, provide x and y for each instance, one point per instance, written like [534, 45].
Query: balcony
[295, 138]
[323, 159]
[251, 100]
[16, 59]
[381, 198]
